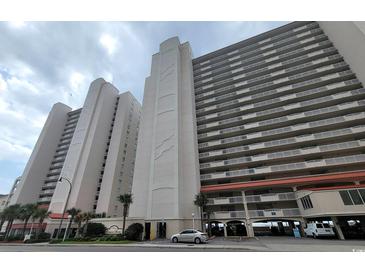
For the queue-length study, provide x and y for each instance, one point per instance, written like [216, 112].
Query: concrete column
[338, 228]
[249, 228]
[303, 223]
[225, 230]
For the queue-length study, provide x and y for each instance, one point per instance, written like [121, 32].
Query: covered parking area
[228, 228]
[277, 227]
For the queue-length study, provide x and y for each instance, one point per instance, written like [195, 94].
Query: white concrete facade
[91, 162]
[166, 176]
[36, 169]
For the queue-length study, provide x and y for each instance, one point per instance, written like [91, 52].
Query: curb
[168, 246]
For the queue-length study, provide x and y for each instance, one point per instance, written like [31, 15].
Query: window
[306, 202]
[353, 197]
[345, 197]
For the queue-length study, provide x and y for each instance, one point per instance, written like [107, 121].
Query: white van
[319, 230]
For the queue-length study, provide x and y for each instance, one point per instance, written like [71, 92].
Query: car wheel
[197, 241]
[175, 240]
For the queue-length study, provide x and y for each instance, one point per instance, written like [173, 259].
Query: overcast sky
[42, 63]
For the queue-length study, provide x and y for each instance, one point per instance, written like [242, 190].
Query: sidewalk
[159, 244]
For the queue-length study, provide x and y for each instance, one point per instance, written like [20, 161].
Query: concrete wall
[349, 39]
[327, 203]
[166, 176]
[119, 166]
[37, 167]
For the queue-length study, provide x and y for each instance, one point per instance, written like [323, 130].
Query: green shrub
[134, 232]
[15, 238]
[55, 241]
[44, 236]
[95, 230]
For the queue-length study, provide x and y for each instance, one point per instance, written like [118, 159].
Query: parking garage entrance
[236, 228]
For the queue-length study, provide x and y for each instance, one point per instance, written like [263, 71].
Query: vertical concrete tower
[36, 170]
[166, 176]
[102, 148]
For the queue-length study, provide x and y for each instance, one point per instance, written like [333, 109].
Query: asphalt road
[55, 248]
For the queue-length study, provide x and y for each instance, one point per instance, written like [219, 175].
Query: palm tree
[73, 212]
[11, 213]
[87, 216]
[201, 200]
[79, 218]
[2, 219]
[126, 200]
[41, 214]
[26, 211]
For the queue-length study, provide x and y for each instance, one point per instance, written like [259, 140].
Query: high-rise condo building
[272, 129]
[92, 147]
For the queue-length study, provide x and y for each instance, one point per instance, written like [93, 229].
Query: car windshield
[326, 225]
[319, 226]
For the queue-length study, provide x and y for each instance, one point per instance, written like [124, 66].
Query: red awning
[326, 178]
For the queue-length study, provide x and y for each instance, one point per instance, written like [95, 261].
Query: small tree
[87, 216]
[78, 221]
[201, 200]
[134, 232]
[2, 219]
[73, 212]
[41, 214]
[95, 229]
[126, 200]
[11, 213]
[25, 213]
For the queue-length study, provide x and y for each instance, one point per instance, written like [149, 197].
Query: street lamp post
[65, 206]
[193, 215]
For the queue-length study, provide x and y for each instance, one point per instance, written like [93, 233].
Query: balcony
[262, 52]
[270, 197]
[310, 150]
[284, 109]
[353, 159]
[285, 130]
[263, 65]
[45, 199]
[248, 81]
[259, 61]
[225, 108]
[227, 214]
[225, 200]
[275, 213]
[283, 142]
[279, 37]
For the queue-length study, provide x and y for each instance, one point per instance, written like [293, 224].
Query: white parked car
[319, 230]
[190, 235]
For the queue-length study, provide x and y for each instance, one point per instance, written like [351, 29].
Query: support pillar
[338, 228]
[249, 228]
[225, 230]
[303, 223]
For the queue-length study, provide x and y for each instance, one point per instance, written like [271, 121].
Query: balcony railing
[286, 141]
[269, 50]
[246, 80]
[274, 212]
[225, 200]
[228, 214]
[353, 159]
[275, 39]
[282, 130]
[270, 197]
